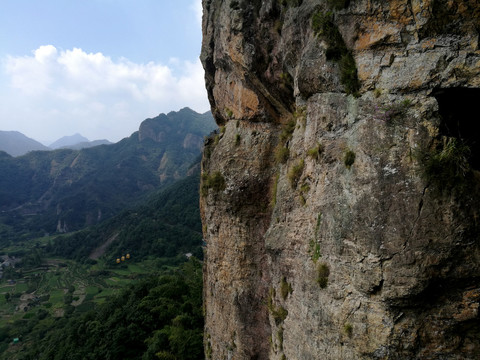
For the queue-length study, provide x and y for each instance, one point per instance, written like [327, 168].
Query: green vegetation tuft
[348, 329]
[229, 113]
[286, 79]
[316, 151]
[280, 338]
[215, 181]
[323, 272]
[317, 225]
[279, 314]
[295, 172]
[314, 245]
[348, 73]
[315, 250]
[282, 154]
[287, 130]
[285, 288]
[208, 350]
[447, 165]
[304, 188]
[323, 25]
[349, 158]
[271, 297]
[273, 200]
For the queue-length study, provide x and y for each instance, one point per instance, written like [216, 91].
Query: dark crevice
[461, 118]
[377, 288]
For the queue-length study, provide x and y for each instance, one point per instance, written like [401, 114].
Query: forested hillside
[157, 317]
[44, 192]
[167, 225]
[68, 298]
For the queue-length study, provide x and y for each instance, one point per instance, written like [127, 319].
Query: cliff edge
[340, 198]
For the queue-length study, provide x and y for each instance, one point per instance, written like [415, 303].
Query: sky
[97, 67]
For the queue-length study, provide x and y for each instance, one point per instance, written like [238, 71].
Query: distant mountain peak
[68, 141]
[16, 144]
[186, 121]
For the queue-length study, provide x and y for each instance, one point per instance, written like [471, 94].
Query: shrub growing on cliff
[215, 181]
[229, 113]
[273, 200]
[285, 288]
[280, 338]
[295, 172]
[393, 113]
[281, 154]
[349, 158]
[279, 314]
[287, 130]
[323, 25]
[315, 250]
[447, 165]
[315, 152]
[348, 329]
[348, 73]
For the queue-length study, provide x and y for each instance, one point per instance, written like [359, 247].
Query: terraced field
[60, 285]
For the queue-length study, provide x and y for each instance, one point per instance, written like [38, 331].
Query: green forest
[157, 317]
[126, 286]
[145, 307]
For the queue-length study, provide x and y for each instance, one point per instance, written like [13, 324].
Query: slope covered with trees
[167, 225]
[65, 190]
[158, 317]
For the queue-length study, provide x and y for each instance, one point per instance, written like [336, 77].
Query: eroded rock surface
[340, 200]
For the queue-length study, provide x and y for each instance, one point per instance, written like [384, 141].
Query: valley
[62, 286]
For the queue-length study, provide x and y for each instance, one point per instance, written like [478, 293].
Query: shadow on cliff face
[451, 162]
[461, 119]
[448, 17]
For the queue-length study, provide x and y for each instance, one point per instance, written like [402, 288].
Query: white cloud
[92, 94]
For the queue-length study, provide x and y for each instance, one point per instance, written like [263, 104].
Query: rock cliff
[340, 199]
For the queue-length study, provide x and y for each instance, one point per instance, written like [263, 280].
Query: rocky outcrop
[184, 127]
[340, 199]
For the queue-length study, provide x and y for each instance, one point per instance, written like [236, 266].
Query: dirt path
[101, 249]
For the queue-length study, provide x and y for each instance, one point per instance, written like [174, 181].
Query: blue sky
[97, 67]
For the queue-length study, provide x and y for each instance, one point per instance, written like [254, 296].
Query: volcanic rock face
[340, 199]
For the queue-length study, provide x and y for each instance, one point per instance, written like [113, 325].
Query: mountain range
[15, 143]
[76, 142]
[64, 190]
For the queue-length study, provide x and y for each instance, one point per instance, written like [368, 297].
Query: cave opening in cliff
[459, 108]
